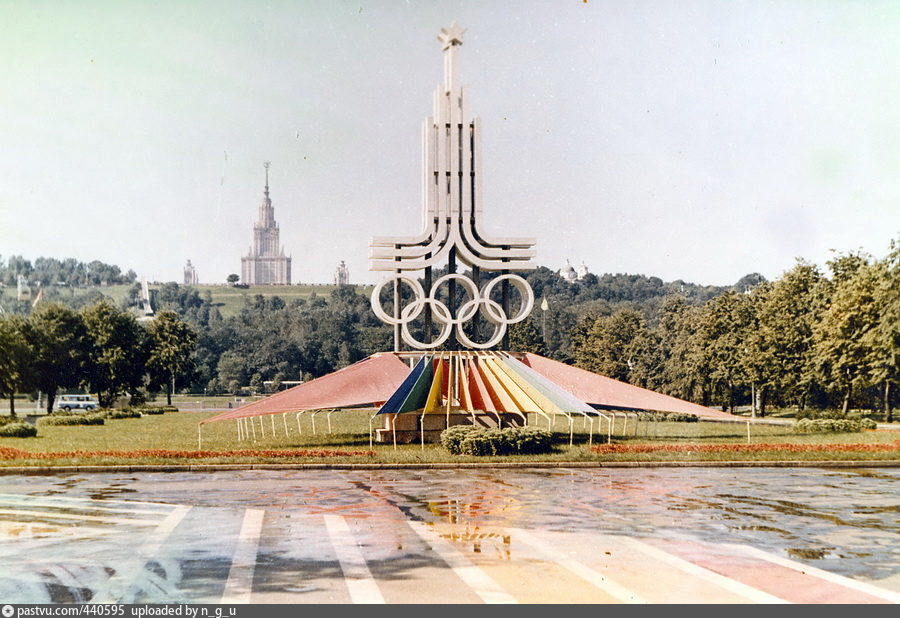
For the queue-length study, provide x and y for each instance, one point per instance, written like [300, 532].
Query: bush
[8, 419]
[452, 436]
[152, 410]
[681, 417]
[468, 440]
[867, 423]
[73, 419]
[125, 413]
[17, 429]
[827, 425]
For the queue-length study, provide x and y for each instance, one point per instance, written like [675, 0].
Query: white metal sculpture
[453, 198]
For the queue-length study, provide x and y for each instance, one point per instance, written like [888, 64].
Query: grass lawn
[178, 432]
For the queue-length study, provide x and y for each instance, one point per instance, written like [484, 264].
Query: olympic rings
[493, 311]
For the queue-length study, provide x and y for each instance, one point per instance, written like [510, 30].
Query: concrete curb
[28, 470]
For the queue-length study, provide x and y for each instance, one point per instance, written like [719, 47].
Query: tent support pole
[328, 418]
[394, 430]
[252, 426]
[299, 429]
[199, 437]
[284, 419]
[272, 416]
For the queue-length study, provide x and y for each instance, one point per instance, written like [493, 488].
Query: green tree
[723, 328]
[232, 279]
[883, 340]
[172, 342]
[843, 338]
[61, 349]
[783, 340]
[118, 351]
[524, 336]
[15, 358]
[619, 346]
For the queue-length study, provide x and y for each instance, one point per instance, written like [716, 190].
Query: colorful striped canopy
[467, 382]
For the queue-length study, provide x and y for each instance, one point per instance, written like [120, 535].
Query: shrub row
[671, 417]
[73, 419]
[17, 429]
[833, 425]
[809, 413]
[468, 440]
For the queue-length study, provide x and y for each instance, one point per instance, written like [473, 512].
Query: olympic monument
[456, 367]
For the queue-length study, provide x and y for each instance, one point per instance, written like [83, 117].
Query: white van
[75, 402]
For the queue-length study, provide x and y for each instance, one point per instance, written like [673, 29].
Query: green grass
[178, 431]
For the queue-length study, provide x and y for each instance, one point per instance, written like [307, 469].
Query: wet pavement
[454, 536]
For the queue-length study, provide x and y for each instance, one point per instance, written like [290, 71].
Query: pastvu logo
[8, 611]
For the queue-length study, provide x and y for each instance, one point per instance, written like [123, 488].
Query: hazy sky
[694, 140]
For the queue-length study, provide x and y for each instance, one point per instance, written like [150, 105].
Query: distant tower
[266, 263]
[342, 274]
[190, 274]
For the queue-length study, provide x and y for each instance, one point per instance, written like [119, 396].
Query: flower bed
[607, 449]
[9, 453]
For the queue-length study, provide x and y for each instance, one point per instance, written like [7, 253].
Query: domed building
[568, 273]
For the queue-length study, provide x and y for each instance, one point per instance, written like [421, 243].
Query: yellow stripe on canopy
[523, 402]
[434, 394]
[541, 400]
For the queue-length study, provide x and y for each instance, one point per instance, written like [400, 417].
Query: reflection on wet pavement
[451, 535]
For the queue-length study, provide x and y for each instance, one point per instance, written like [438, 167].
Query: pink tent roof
[370, 381]
[602, 391]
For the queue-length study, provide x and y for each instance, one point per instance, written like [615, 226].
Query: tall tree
[60, 343]
[118, 351]
[883, 340]
[784, 338]
[171, 343]
[15, 358]
[722, 331]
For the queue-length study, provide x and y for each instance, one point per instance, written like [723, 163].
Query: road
[452, 536]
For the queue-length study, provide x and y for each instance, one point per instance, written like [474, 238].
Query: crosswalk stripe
[583, 571]
[727, 583]
[479, 581]
[239, 585]
[870, 589]
[54, 515]
[121, 583]
[164, 506]
[87, 505]
[360, 583]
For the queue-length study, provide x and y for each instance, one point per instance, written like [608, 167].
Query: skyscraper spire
[266, 165]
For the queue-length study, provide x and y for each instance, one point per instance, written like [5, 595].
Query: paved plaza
[453, 536]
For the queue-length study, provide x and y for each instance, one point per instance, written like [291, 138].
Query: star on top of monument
[451, 36]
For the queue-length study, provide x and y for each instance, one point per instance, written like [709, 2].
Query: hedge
[17, 429]
[833, 425]
[671, 417]
[124, 413]
[72, 419]
[468, 440]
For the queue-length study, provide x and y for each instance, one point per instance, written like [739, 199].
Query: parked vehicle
[76, 402]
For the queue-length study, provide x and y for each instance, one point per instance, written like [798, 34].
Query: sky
[697, 140]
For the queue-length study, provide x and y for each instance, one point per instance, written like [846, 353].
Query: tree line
[806, 339]
[101, 348]
[48, 271]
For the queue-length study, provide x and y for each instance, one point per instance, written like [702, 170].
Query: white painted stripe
[479, 581]
[696, 570]
[243, 563]
[44, 515]
[875, 591]
[583, 571]
[360, 583]
[120, 586]
[87, 505]
[162, 505]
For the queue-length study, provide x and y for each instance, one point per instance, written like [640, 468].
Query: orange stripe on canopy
[602, 391]
[370, 381]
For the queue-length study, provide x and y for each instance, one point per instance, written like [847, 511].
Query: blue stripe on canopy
[392, 405]
[418, 393]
